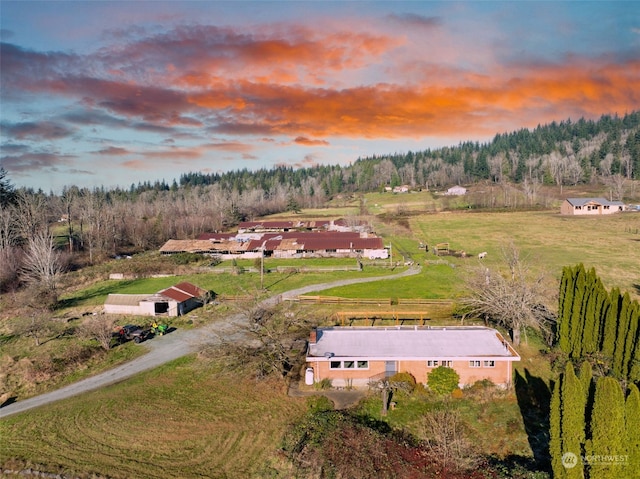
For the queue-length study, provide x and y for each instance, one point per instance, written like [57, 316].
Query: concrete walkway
[175, 345]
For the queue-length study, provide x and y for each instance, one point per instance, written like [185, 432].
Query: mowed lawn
[187, 419]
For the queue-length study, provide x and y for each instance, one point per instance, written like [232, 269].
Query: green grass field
[220, 283]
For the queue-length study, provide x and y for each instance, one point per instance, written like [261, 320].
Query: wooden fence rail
[376, 301]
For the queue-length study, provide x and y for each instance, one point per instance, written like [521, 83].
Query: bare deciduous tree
[446, 442]
[514, 300]
[43, 265]
[10, 260]
[617, 184]
[31, 214]
[274, 337]
[36, 326]
[556, 165]
[9, 235]
[99, 328]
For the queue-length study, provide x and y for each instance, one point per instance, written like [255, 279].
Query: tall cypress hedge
[632, 438]
[592, 321]
[572, 424]
[608, 431]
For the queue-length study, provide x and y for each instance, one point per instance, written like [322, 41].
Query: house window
[489, 364]
[474, 364]
[299, 251]
[436, 362]
[361, 364]
[331, 251]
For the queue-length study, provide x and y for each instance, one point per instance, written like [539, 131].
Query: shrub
[482, 391]
[443, 380]
[406, 379]
[186, 258]
[324, 384]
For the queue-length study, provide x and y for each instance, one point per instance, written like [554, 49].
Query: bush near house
[443, 380]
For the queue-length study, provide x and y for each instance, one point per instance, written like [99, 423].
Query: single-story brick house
[174, 301]
[590, 206]
[356, 356]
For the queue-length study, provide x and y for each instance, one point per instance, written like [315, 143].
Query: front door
[390, 368]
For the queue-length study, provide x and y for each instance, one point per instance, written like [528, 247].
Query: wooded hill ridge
[564, 153]
[558, 153]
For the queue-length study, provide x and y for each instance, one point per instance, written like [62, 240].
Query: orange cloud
[392, 111]
[301, 140]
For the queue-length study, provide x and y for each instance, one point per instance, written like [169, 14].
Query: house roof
[202, 246]
[216, 236]
[278, 225]
[600, 201]
[290, 240]
[191, 289]
[175, 294]
[393, 343]
[190, 246]
[182, 292]
[125, 299]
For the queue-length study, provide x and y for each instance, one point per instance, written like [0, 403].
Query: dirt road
[175, 345]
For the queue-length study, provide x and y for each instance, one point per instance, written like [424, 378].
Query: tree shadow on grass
[534, 400]
[86, 295]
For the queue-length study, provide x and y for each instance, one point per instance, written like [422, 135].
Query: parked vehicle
[132, 332]
[159, 329]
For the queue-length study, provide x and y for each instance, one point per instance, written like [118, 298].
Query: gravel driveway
[175, 345]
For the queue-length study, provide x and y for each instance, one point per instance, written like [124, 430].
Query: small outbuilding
[174, 301]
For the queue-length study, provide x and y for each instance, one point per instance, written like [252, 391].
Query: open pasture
[545, 241]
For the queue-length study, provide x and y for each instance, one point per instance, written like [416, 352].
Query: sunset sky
[114, 93]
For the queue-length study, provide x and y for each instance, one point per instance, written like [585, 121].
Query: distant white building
[456, 191]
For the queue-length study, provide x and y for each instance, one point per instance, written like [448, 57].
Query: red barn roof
[182, 292]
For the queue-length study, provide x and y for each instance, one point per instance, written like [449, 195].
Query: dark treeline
[564, 153]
